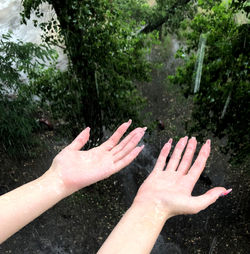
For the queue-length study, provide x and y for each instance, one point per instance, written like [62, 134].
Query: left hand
[169, 188]
[77, 169]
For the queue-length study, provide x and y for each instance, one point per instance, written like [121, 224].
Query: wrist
[154, 211]
[54, 183]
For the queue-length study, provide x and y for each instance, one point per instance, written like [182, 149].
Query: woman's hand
[77, 169]
[169, 189]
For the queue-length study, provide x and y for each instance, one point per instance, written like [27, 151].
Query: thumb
[80, 140]
[203, 201]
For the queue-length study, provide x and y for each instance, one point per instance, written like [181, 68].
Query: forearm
[136, 232]
[24, 204]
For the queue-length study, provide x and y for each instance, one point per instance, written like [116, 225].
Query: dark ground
[80, 223]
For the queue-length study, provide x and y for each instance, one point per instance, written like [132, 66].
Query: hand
[170, 190]
[77, 169]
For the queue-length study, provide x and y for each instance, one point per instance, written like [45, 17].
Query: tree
[222, 105]
[106, 56]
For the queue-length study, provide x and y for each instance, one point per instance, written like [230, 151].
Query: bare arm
[165, 193]
[70, 171]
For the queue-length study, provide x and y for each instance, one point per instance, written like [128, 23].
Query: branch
[158, 23]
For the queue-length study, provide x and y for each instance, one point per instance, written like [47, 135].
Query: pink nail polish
[225, 193]
[208, 142]
[170, 141]
[129, 121]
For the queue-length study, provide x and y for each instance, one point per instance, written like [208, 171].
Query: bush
[17, 107]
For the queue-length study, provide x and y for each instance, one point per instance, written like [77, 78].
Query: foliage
[105, 55]
[17, 109]
[17, 125]
[222, 105]
[242, 5]
[137, 11]
[18, 57]
[169, 14]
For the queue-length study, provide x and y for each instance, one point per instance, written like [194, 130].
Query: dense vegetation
[18, 111]
[222, 104]
[105, 57]
[106, 43]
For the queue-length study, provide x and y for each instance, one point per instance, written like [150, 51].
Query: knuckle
[184, 165]
[176, 155]
[189, 153]
[191, 147]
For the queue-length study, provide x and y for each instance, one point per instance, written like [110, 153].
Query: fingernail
[223, 194]
[142, 146]
[184, 140]
[129, 121]
[193, 138]
[170, 141]
[88, 129]
[208, 142]
[144, 128]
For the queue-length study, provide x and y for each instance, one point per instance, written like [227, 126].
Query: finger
[176, 156]
[188, 156]
[127, 139]
[115, 138]
[200, 163]
[201, 202]
[80, 140]
[129, 146]
[161, 161]
[127, 159]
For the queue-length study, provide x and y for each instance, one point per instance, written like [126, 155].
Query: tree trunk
[89, 104]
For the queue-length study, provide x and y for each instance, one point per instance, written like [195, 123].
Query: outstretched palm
[78, 169]
[170, 188]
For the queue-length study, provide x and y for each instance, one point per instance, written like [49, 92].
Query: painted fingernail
[223, 194]
[170, 141]
[208, 142]
[129, 121]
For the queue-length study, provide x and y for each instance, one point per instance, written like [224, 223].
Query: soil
[80, 223]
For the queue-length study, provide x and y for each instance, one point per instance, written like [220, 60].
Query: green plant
[222, 105]
[17, 107]
[17, 126]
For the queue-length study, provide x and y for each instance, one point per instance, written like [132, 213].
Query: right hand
[169, 190]
[76, 169]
